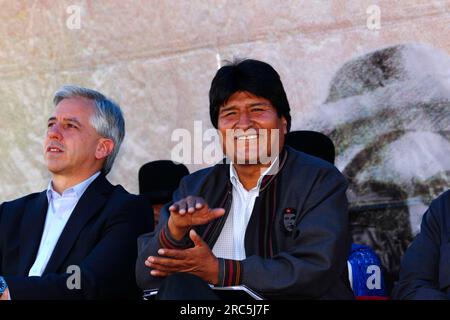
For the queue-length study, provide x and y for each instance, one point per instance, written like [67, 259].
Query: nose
[244, 122]
[53, 132]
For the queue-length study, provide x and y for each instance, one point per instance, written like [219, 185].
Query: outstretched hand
[188, 212]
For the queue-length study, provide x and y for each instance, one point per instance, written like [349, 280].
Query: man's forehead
[246, 99]
[80, 108]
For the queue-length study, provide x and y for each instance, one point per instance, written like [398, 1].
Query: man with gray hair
[77, 239]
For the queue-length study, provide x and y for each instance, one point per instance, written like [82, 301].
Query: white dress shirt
[59, 210]
[230, 243]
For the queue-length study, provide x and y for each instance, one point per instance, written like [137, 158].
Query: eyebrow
[256, 104]
[259, 104]
[225, 109]
[72, 120]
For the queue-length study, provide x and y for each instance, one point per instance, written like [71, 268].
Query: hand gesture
[198, 260]
[188, 212]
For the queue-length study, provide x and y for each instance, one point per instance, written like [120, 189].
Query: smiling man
[77, 239]
[270, 218]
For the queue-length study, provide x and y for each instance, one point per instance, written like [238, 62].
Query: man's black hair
[253, 76]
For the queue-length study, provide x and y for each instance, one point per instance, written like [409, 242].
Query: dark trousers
[185, 286]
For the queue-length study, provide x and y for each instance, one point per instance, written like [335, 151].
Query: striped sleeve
[167, 241]
[230, 272]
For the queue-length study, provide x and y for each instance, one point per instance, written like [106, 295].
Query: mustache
[54, 144]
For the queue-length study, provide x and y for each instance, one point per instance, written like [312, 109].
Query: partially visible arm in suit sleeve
[420, 264]
[319, 252]
[107, 272]
[150, 243]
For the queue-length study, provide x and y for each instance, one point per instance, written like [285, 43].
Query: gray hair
[107, 120]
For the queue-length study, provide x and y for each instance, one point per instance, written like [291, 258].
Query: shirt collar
[234, 178]
[76, 191]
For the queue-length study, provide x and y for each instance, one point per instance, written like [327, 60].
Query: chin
[54, 169]
[245, 160]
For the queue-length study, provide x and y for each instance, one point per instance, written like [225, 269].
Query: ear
[104, 148]
[284, 125]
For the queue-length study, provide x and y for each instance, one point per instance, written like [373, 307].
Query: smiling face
[72, 147]
[250, 129]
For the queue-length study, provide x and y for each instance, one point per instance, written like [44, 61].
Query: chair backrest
[313, 143]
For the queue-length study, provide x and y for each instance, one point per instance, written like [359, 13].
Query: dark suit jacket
[310, 260]
[100, 237]
[425, 269]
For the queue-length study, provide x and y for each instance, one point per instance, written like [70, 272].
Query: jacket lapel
[89, 204]
[217, 192]
[31, 229]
